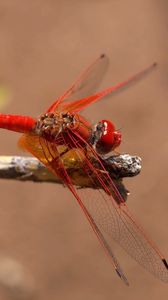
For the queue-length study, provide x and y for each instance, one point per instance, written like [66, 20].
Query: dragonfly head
[105, 137]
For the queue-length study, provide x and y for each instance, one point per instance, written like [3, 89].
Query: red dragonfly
[61, 137]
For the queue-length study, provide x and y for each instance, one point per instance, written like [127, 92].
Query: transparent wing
[113, 218]
[80, 104]
[53, 158]
[115, 222]
[104, 208]
[87, 82]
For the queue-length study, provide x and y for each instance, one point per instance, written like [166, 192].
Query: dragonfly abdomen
[17, 123]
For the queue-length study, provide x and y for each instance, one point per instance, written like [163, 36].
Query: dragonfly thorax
[52, 124]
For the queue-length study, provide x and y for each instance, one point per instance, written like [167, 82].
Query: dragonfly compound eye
[106, 137]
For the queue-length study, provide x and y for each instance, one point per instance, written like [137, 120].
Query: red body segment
[83, 127]
[22, 124]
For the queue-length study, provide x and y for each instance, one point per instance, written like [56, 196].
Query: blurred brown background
[47, 250]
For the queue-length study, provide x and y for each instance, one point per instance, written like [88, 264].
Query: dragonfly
[63, 140]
